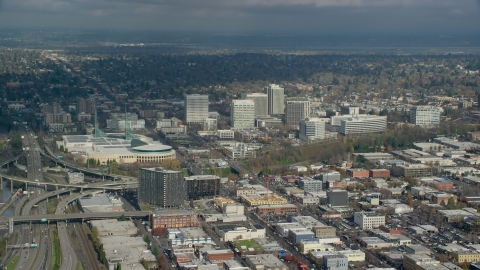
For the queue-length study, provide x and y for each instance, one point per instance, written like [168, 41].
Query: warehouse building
[164, 219]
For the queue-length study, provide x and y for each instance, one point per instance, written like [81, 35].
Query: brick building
[379, 173]
[280, 209]
[358, 173]
[389, 230]
[443, 185]
[172, 218]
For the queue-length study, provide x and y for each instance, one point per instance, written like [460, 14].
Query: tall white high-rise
[312, 129]
[425, 115]
[243, 113]
[276, 99]
[297, 109]
[261, 103]
[196, 108]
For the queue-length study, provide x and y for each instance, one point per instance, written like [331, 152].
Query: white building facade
[425, 116]
[312, 129]
[243, 114]
[363, 125]
[261, 103]
[368, 220]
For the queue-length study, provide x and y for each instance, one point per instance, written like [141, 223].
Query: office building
[335, 262]
[363, 125]
[368, 220]
[276, 99]
[261, 103]
[242, 113]
[425, 116]
[337, 198]
[349, 110]
[196, 108]
[310, 185]
[312, 129]
[162, 187]
[201, 187]
[297, 109]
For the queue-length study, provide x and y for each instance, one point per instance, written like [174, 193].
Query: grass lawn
[51, 206]
[248, 244]
[185, 172]
[56, 252]
[79, 265]
[147, 207]
[13, 263]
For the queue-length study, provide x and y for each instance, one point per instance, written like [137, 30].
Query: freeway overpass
[118, 185]
[78, 216]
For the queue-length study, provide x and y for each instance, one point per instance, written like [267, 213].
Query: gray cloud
[237, 16]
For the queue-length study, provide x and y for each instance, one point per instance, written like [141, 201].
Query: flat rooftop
[113, 225]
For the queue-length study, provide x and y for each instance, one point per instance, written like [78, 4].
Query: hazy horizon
[249, 17]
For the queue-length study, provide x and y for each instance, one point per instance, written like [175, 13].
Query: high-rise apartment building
[243, 113]
[162, 187]
[85, 105]
[53, 108]
[425, 116]
[276, 99]
[312, 129]
[296, 110]
[261, 103]
[196, 108]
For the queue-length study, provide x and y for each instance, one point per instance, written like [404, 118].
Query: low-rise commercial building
[128, 251]
[313, 246]
[100, 203]
[358, 173]
[264, 262]
[466, 256]
[280, 209]
[269, 199]
[230, 232]
[379, 173]
[298, 235]
[368, 220]
[415, 170]
[113, 227]
[335, 262]
[283, 228]
[75, 178]
[164, 219]
[353, 255]
[324, 231]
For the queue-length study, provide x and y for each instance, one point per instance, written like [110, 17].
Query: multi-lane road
[69, 257]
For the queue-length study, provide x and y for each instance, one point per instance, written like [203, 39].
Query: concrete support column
[58, 196]
[70, 193]
[81, 190]
[45, 187]
[56, 187]
[26, 185]
[1, 183]
[11, 186]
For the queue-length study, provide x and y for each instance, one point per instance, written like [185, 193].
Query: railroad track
[85, 250]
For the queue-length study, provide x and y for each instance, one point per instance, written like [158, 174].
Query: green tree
[16, 141]
[95, 234]
[145, 264]
[155, 252]
[147, 240]
[62, 149]
[119, 266]
[123, 218]
[451, 203]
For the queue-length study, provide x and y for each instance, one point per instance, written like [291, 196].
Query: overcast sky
[249, 16]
